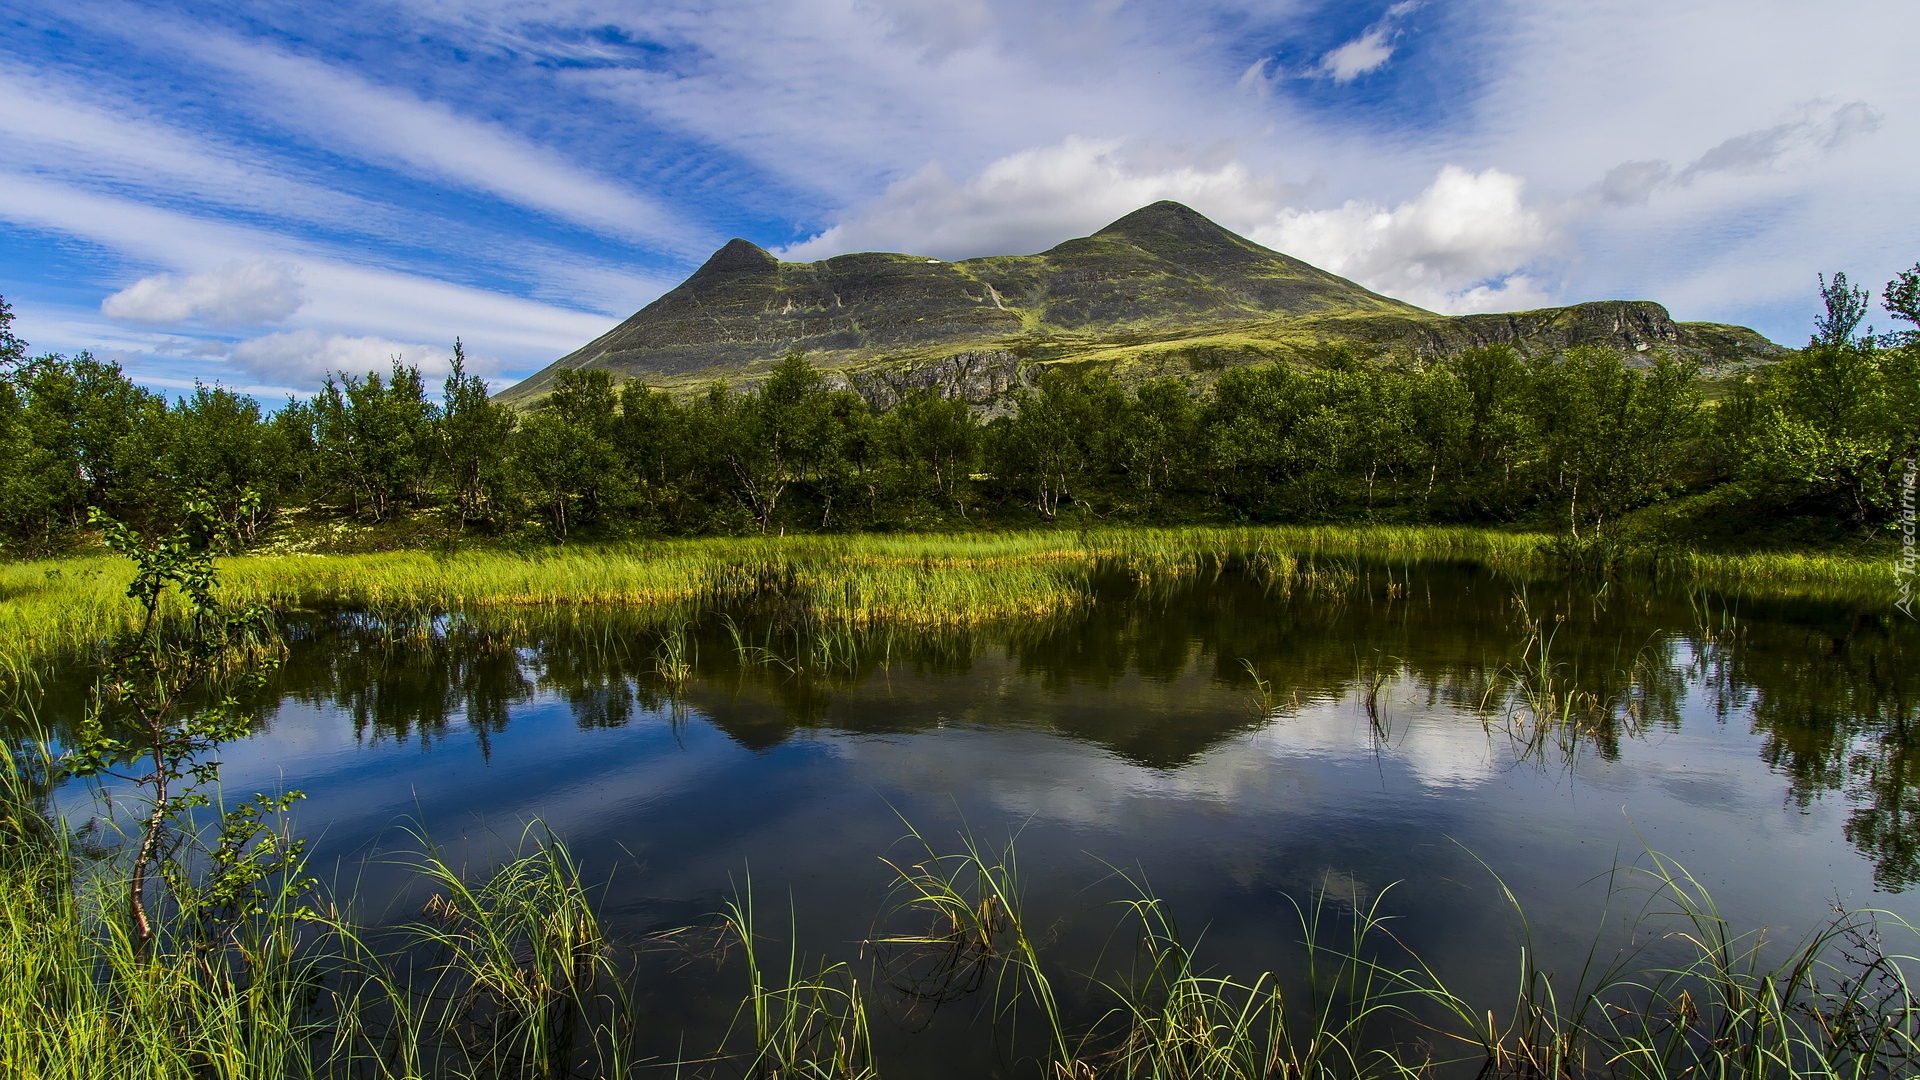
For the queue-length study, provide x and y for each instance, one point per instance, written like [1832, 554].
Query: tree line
[1574, 441]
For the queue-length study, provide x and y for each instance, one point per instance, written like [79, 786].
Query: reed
[807, 1022]
[1177, 1021]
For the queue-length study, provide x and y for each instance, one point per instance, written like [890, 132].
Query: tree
[769, 440]
[846, 464]
[1902, 301]
[1846, 306]
[1374, 439]
[1256, 453]
[13, 351]
[932, 444]
[32, 484]
[222, 453]
[1833, 424]
[474, 436]
[1439, 422]
[1499, 432]
[89, 438]
[168, 699]
[375, 439]
[1613, 438]
[1061, 444]
[565, 449]
[1161, 438]
[660, 452]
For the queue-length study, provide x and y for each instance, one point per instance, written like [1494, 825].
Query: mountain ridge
[1161, 290]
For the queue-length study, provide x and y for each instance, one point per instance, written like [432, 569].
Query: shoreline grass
[60, 608]
[508, 972]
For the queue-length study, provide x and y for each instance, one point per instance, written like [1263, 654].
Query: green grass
[60, 608]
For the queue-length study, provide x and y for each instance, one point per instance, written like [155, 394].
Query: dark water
[1214, 737]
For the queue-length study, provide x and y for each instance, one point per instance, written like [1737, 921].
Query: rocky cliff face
[1637, 329]
[978, 376]
[1158, 280]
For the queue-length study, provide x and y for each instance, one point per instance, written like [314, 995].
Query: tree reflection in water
[1831, 687]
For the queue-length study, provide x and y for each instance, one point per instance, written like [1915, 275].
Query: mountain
[1163, 290]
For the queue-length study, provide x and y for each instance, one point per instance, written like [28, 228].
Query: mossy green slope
[1154, 286]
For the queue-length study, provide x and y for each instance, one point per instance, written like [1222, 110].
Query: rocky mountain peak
[1167, 219]
[735, 257]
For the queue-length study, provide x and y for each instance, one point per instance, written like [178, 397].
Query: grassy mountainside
[1162, 290]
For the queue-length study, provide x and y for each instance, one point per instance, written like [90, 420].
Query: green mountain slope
[1162, 290]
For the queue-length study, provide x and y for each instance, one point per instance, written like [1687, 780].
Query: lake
[1353, 734]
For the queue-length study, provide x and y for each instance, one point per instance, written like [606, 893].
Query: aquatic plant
[807, 1023]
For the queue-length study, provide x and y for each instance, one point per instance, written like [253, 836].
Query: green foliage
[566, 450]
[473, 434]
[86, 436]
[1062, 440]
[1846, 307]
[13, 351]
[1902, 301]
[220, 452]
[169, 697]
[1832, 427]
[1613, 440]
[374, 439]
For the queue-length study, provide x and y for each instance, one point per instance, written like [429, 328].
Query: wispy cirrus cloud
[1370, 51]
[434, 139]
[333, 290]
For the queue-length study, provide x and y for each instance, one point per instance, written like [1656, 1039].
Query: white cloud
[305, 357]
[823, 95]
[53, 134]
[830, 110]
[1367, 53]
[55, 131]
[1036, 198]
[237, 294]
[1460, 245]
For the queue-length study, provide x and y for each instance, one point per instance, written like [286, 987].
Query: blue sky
[257, 193]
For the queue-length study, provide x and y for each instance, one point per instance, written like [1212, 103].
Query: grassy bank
[53, 608]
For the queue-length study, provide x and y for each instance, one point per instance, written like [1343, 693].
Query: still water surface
[1241, 745]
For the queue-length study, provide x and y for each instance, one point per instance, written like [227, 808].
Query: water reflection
[1830, 689]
